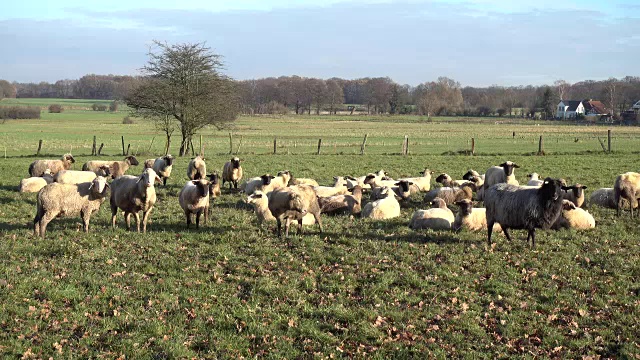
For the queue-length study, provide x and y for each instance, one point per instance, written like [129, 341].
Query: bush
[128, 120]
[56, 108]
[99, 107]
[20, 112]
[113, 107]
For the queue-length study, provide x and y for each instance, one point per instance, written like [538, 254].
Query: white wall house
[636, 107]
[568, 109]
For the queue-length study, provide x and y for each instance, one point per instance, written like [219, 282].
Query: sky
[476, 42]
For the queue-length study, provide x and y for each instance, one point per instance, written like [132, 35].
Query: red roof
[595, 107]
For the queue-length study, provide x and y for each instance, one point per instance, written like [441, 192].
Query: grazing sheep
[56, 200]
[627, 187]
[197, 168]
[343, 203]
[293, 203]
[194, 199]
[35, 183]
[472, 219]
[385, 208]
[132, 194]
[232, 172]
[38, 167]
[117, 168]
[534, 180]
[575, 194]
[502, 173]
[162, 166]
[450, 195]
[260, 204]
[515, 207]
[257, 183]
[573, 217]
[77, 177]
[439, 217]
[422, 183]
[339, 188]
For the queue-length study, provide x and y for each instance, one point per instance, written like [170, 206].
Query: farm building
[569, 109]
[596, 111]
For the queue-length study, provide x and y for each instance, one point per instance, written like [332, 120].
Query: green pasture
[367, 289]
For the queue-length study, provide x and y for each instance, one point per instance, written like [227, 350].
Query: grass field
[360, 289]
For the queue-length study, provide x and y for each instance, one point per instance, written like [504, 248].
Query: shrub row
[19, 112]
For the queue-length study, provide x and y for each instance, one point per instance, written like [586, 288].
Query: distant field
[68, 104]
[360, 289]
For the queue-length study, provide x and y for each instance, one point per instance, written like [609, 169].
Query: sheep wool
[163, 166]
[194, 200]
[197, 168]
[503, 173]
[437, 218]
[38, 167]
[74, 176]
[472, 219]
[260, 204]
[132, 194]
[385, 208]
[232, 172]
[573, 217]
[293, 203]
[627, 187]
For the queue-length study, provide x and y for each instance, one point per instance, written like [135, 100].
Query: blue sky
[477, 42]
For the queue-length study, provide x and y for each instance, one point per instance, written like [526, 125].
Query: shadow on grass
[12, 226]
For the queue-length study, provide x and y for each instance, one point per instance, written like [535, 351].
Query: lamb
[260, 204]
[534, 180]
[117, 168]
[133, 194]
[422, 183]
[257, 183]
[343, 203]
[197, 168]
[502, 173]
[35, 183]
[293, 203]
[232, 172]
[385, 208]
[472, 219]
[627, 187]
[573, 217]
[214, 181]
[515, 207]
[162, 166]
[339, 188]
[450, 194]
[439, 217]
[194, 199]
[575, 194]
[77, 177]
[38, 167]
[69, 199]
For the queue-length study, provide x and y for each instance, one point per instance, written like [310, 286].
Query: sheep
[260, 204]
[534, 180]
[77, 177]
[515, 207]
[402, 189]
[573, 217]
[447, 181]
[502, 173]
[605, 197]
[197, 168]
[117, 168]
[214, 181]
[385, 208]
[38, 167]
[343, 203]
[422, 183]
[162, 166]
[450, 194]
[470, 173]
[352, 181]
[133, 194]
[194, 199]
[232, 172]
[575, 194]
[67, 200]
[280, 180]
[375, 181]
[35, 183]
[437, 218]
[148, 164]
[302, 181]
[257, 183]
[472, 219]
[293, 203]
[339, 188]
[627, 187]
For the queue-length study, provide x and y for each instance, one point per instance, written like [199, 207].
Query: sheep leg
[317, 217]
[36, 222]
[86, 215]
[44, 221]
[137, 215]
[206, 214]
[127, 220]
[145, 219]
[279, 222]
[489, 231]
[532, 236]
[114, 213]
[300, 226]
[188, 215]
[506, 232]
[235, 184]
[198, 218]
[286, 227]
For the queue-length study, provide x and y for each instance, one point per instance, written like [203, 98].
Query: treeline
[379, 95]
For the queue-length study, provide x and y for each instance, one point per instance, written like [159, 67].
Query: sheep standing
[232, 172]
[437, 218]
[260, 204]
[515, 207]
[133, 194]
[422, 183]
[214, 182]
[162, 166]
[35, 183]
[117, 168]
[194, 200]
[197, 168]
[385, 208]
[502, 173]
[293, 203]
[67, 200]
[343, 203]
[38, 167]
[77, 177]
[575, 194]
[573, 217]
[627, 187]
[472, 219]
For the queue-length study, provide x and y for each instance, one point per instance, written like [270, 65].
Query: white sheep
[194, 200]
[627, 187]
[422, 183]
[605, 197]
[339, 188]
[232, 172]
[575, 194]
[56, 200]
[117, 168]
[353, 181]
[351, 203]
[77, 176]
[447, 181]
[292, 204]
[133, 194]
[502, 173]
[573, 217]
[162, 166]
[534, 180]
[437, 218]
[38, 167]
[197, 168]
[260, 203]
[385, 208]
[472, 219]
[35, 183]
[256, 183]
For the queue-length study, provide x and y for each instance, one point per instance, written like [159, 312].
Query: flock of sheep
[546, 204]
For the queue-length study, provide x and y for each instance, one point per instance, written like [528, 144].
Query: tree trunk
[184, 144]
[166, 149]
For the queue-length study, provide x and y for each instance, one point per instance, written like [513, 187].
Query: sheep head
[469, 174]
[99, 186]
[508, 167]
[266, 179]
[131, 160]
[235, 162]
[168, 159]
[439, 203]
[148, 177]
[443, 178]
[578, 190]
[551, 190]
[466, 206]
[68, 157]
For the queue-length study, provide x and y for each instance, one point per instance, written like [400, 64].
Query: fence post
[239, 145]
[100, 149]
[319, 145]
[201, 146]
[609, 140]
[93, 148]
[150, 145]
[364, 144]
[39, 147]
[540, 147]
[123, 154]
[405, 145]
[128, 147]
[473, 146]
[275, 145]
[230, 144]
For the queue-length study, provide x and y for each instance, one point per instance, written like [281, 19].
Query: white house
[636, 107]
[568, 109]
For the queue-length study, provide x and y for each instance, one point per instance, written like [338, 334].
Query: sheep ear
[194, 182]
[583, 187]
[158, 179]
[106, 184]
[516, 165]
[409, 182]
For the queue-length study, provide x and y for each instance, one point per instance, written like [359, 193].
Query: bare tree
[335, 95]
[562, 89]
[610, 88]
